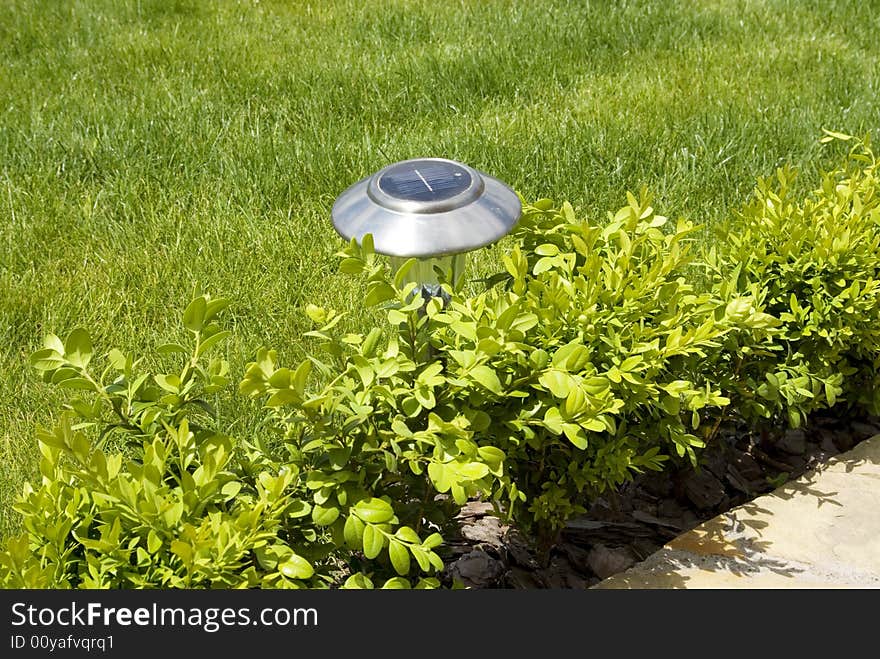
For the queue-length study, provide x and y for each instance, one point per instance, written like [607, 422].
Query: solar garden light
[433, 209]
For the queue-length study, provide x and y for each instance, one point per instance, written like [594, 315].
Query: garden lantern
[433, 209]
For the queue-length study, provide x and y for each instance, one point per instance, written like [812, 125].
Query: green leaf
[215, 306]
[316, 314]
[429, 583]
[280, 379]
[52, 342]
[425, 396]
[364, 370]
[571, 357]
[406, 534]
[154, 542]
[473, 470]
[539, 358]
[298, 508]
[353, 532]
[433, 540]
[395, 317]
[379, 292]
[547, 249]
[367, 244]
[835, 135]
[396, 583]
[553, 420]
[230, 489]
[183, 550]
[630, 363]
[351, 266]
[55, 439]
[557, 382]
[373, 541]
[459, 494]
[430, 375]
[77, 383]
[118, 360]
[440, 476]
[410, 406]
[369, 346]
[486, 376]
[524, 322]
[761, 320]
[283, 397]
[493, 457]
[194, 314]
[78, 348]
[595, 425]
[401, 429]
[399, 557]
[339, 457]
[543, 265]
[358, 581]
[738, 308]
[677, 387]
[300, 376]
[671, 405]
[402, 271]
[168, 382]
[164, 349]
[324, 515]
[46, 360]
[575, 435]
[575, 402]
[296, 567]
[421, 557]
[211, 341]
[374, 510]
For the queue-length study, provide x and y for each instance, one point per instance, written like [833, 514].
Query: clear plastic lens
[427, 272]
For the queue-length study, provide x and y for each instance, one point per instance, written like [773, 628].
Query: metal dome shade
[427, 207]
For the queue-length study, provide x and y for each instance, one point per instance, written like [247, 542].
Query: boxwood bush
[597, 351]
[816, 264]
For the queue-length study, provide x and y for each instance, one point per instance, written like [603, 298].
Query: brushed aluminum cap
[427, 207]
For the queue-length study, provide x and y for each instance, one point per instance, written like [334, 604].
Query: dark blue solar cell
[425, 180]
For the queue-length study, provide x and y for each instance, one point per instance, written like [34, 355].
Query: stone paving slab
[819, 531]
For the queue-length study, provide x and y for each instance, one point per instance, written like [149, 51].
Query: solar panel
[425, 180]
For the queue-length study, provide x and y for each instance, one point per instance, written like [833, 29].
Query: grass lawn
[146, 145]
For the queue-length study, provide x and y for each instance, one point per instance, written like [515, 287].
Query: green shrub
[599, 351]
[816, 265]
[178, 503]
[581, 366]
